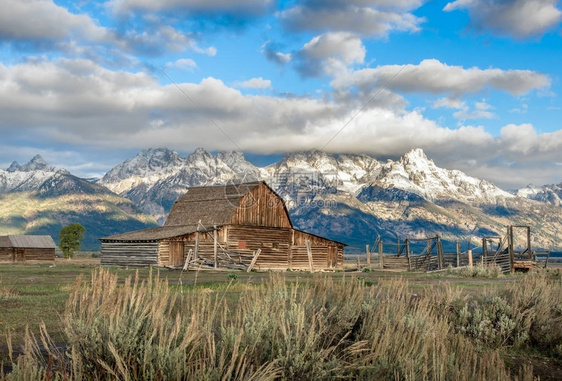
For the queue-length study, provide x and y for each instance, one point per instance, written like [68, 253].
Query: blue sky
[475, 83]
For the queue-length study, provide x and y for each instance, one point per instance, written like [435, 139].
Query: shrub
[528, 313]
[476, 271]
[276, 330]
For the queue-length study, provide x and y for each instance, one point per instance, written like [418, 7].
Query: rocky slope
[550, 194]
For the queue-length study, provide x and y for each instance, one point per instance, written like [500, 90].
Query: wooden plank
[254, 260]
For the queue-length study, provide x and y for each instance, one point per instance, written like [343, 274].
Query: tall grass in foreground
[143, 330]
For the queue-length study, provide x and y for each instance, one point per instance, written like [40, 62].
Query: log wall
[11, 254]
[281, 248]
[275, 244]
[6, 254]
[39, 254]
[129, 254]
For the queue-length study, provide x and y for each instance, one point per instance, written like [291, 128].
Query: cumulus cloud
[183, 64]
[42, 22]
[76, 103]
[249, 7]
[480, 111]
[330, 54]
[271, 53]
[255, 83]
[448, 103]
[373, 18]
[433, 76]
[519, 18]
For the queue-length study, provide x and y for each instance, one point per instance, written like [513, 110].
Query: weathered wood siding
[6, 254]
[326, 254]
[274, 243]
[261, 207]
[129, 254]
[26, 254]
[38, 254]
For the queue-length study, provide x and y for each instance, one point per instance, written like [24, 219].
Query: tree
[70, 237]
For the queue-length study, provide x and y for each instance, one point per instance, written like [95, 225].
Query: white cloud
[164, 39]
[255, 83]
[367, 18]
[330, 54]
[76, 104]
[43, 20]
[195, 6]
[183, 64]
[269, 51]
[524, 140]
[449, 103]
[519, 18]
[435, 77]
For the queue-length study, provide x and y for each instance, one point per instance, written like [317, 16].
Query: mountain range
[350, 198]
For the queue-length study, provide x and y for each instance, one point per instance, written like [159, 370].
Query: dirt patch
[548, 369]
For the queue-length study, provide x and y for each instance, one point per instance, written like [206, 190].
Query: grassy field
[34, 293]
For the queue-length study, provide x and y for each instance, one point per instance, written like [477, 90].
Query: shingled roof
[213, 205]
[153, 234]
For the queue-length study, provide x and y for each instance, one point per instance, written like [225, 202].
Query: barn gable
[252, 204]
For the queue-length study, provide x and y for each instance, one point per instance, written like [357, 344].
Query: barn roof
[153, 234]
[212, 205]
[28, 241]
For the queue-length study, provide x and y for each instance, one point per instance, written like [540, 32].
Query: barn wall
[261, 207]
[274, 243]
[39, 254]
[6, 253]
[319, 248]
[127, 254]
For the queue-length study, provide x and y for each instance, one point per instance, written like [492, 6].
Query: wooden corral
[225, 227]
[21, 248]
[496, 250]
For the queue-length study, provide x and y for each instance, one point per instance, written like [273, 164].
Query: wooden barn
[232, 226]
[20, 248]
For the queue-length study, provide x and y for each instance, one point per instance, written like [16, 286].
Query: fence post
[215, 248]
[408, 254]
[469, 258]
[381, 256]
[368, 252]
[458, 254]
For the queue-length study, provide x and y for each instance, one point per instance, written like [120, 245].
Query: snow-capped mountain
[38, 198]
[415, 174]
[319, 172]
[351, 198]
[550, 194]
[29, 176]
[155, 178]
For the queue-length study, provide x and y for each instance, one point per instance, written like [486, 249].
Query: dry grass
[319, 329]
[7, 292]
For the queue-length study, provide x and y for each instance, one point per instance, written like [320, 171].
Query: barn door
[332, 255]
[176, 253]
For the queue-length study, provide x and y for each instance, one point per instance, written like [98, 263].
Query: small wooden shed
[22, 248]
[237, 221]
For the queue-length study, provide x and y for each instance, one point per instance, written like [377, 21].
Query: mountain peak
[37, 164]
[415, 154]
[14, 167]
